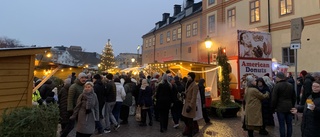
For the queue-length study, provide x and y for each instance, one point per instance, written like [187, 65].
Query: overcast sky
[83, 23]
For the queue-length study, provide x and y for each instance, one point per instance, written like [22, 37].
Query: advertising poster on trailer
[255, 45]
[256, 68]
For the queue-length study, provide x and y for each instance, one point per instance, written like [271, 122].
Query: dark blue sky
[84, 23]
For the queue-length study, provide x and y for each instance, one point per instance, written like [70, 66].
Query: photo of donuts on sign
[254, 44]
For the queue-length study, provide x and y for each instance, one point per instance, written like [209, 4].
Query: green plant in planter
[33, 121]
[224, 82]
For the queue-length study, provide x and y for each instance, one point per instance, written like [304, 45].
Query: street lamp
[138, 49]
[208, 44]
[132, 60]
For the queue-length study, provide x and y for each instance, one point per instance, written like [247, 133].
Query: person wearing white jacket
[121, 95]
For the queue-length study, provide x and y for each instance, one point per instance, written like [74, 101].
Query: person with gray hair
[253, 97]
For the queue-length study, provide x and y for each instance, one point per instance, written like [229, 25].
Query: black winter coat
[63, 103]
[46, 88]
[307, 90]
[311, 119]
[283, 97]
[164, 95]
[145, 97]
[100, 90]
[111, 93]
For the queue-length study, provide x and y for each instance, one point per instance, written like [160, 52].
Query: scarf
[144, 84]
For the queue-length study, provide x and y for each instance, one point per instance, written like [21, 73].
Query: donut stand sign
[254, 54]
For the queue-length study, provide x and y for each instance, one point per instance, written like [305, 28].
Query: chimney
[189, 3]
[177, 10]
[165, 16]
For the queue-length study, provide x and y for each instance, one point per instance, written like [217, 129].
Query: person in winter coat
[307, 88]
[203, 101]
[266, 108]
[129, 86]
[86, 111]
[74, 92]
[189, 107]
[46, 89]
[145, 102]
[311, 113]
[111, 94]
[36, 98]
[253, 97]
[121, 95]
[63, 102]
[164, 97]
[176, 109]
[283, 99]
[99, 89]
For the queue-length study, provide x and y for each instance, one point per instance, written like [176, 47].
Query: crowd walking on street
[102, 103]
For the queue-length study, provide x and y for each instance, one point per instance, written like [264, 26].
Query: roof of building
[197, 8]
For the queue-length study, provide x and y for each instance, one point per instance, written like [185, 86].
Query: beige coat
[253, 114]
[190, 100]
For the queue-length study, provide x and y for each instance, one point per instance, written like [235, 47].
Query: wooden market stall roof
[16, 75]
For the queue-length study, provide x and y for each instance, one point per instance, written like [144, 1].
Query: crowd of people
[266, 95]
[100, 103]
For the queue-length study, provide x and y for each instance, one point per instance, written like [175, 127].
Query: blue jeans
[285, 118]
[108, 114]
[116, 110]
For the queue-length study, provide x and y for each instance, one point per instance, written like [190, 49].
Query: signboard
[297, 26]
[257, 68]
[295, 46]
[254, 44]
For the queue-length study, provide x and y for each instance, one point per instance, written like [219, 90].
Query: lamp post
[132, 60]
[138, 49]
[208, 44]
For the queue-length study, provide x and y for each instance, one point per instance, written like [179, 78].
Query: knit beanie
[82, 75]
[192, 75]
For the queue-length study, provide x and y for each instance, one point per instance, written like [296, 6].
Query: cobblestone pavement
[227, 127]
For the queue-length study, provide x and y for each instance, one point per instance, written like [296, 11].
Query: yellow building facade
[220, 20]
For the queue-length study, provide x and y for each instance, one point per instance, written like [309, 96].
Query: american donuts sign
[256, 67]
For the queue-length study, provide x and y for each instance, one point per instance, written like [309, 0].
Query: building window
[188, 30]
[153, 41]
[164, 54]
[176, 51]
[286, 7]
[255, 11]
[232, 18]
[161, 38]
[179, 33]
[149, 42]
[168, 36]
[212, 24]
[210, 2]
[189, 49]
[194, 29]
[288, 56]
[174, 34]
[146, 43]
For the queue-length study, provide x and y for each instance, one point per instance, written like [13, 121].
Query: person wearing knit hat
[86, 111]
[189, 108]
[253, 97]
[303, 73]
[73, 94]
[97, 76]
[82, 75]
[282, 100]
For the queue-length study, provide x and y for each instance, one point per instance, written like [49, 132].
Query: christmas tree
[107, 57]
[224, 79]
